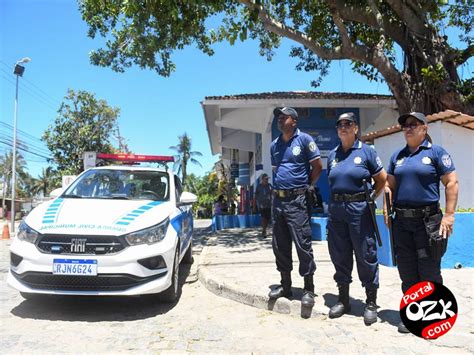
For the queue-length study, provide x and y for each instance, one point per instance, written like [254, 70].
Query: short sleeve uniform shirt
[291, 160]
[418, 174]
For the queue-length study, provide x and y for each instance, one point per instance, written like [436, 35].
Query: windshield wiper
[116, 197]
[72, 196]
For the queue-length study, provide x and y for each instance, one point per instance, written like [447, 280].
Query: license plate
[82, 267]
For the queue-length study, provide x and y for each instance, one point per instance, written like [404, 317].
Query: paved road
[199, 322]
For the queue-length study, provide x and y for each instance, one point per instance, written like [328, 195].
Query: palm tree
[6, 161]
[184, 155]
[44, 183]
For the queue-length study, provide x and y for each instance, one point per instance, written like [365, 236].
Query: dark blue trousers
[350, 231]
[291, 222]
[411, 248]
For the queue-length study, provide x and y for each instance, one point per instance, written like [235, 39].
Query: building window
[330, 113]
[303, 112]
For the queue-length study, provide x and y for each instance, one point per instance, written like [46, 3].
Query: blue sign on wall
[320, 123]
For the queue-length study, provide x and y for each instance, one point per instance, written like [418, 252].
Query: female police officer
[413, 180]
[350, 227]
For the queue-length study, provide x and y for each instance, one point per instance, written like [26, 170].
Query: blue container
[318, 228]
[227, 221]
[243, 220]
[254, 220]
[461, 243]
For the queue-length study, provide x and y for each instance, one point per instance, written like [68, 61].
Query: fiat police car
[116, 230]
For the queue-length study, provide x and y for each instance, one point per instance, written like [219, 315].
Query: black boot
[370, 311]
[402, 328]
[284, 289]
[308, 293]
[342, 306]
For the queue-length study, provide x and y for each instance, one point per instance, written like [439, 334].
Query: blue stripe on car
[52, 211]
[131, 216]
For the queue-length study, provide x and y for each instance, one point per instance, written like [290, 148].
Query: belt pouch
[437, 244]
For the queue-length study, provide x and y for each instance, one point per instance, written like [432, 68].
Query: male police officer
[296, 163]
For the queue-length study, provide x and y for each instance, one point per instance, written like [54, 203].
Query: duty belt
[418, 212]
[288, 193]
[360, 196]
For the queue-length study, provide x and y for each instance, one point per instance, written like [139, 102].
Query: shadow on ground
[390, 316]
[95, 308]
[245, 241]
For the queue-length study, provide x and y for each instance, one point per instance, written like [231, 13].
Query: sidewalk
[239, 265]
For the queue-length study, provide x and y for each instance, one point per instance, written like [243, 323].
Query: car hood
[97, 216]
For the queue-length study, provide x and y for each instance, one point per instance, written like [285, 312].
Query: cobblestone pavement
[199, 322]
[239, 265]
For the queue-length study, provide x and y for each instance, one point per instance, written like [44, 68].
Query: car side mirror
[187, 198]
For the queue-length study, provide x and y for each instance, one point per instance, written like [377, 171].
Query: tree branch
[283, 30]
[378, 17]
[465, 55]
[350, 13]
[408, 17]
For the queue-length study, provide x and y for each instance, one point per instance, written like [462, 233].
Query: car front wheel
[170, 295]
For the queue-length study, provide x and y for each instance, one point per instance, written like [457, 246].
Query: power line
[33, 87]
[6, 142]
[10, 127]
[27, 91]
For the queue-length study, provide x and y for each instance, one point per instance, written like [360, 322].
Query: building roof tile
[301, 95]
[453, 117]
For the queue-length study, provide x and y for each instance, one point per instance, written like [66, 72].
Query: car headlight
[150, 235]
[26, 233]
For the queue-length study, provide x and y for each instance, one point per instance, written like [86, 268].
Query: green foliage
[466, 89]
[205, 188]
[434, 76]
[184, 155]
[84, 123]
[146, 33]
[46, 182]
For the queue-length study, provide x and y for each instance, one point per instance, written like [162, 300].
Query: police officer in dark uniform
[297, 166]
[350, 226]
[414, 174]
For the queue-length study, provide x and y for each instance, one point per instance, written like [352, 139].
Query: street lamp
[18, 71]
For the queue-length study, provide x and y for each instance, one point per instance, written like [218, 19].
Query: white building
[241, 127]
[453, 131]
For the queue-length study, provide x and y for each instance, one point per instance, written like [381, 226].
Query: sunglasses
[410, 126]
[344, 124]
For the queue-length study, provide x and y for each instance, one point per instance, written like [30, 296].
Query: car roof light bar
[136, 158]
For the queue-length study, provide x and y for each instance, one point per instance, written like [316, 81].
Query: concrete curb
[238, 294]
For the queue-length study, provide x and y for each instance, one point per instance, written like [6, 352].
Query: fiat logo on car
[78, 245]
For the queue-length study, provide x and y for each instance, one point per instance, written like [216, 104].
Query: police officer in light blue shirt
[350, 226]
[297, 166]
[419, 227]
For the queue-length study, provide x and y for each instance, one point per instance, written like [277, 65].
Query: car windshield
[120, 184]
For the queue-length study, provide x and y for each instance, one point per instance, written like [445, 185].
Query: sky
[154, 110]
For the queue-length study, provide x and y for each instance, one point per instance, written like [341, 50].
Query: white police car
[116, 230]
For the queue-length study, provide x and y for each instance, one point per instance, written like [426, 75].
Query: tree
[367, 32]
[45, 183]
[6, 162]
[84, 123]
[184, 155]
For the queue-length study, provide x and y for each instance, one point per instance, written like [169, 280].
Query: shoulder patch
[312, 146]
[446, 159]
[378, 161]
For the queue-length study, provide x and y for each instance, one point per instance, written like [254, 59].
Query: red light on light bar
[136, 158]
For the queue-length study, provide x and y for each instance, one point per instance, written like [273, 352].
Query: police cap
[287, 111]
[348, 116]
[418, 115]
